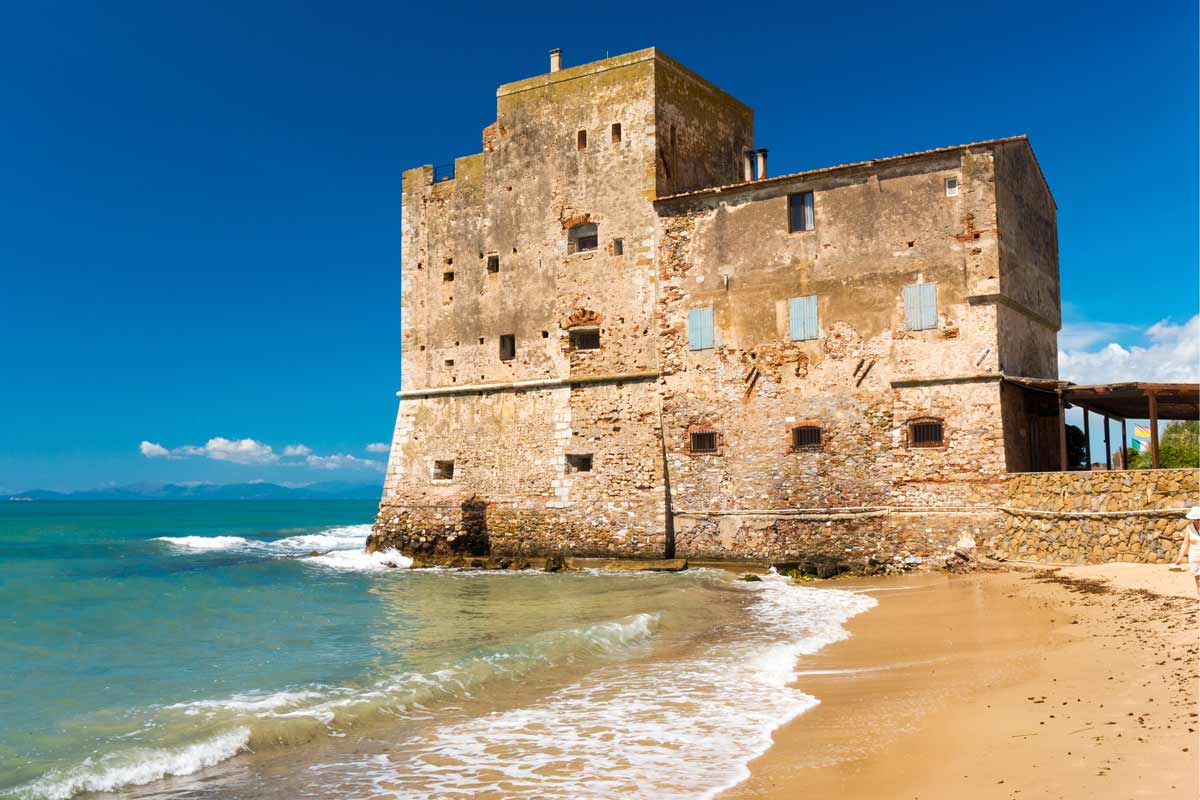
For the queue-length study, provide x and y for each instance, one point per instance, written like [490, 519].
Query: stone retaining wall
[1095, 517]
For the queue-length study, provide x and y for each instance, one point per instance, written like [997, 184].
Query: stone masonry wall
[1094, 517]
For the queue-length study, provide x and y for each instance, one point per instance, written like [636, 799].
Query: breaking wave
[340, 548]
[255, 721]
[682, 729]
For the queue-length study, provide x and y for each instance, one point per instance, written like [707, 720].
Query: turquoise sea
[252, 649]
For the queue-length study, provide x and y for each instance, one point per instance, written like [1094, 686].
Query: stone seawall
[1094, 517]
[862, 541]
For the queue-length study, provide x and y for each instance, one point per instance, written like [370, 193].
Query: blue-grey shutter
[796, 318]
[912, 307]
[700, 329]
[802, 318]
[929, 305]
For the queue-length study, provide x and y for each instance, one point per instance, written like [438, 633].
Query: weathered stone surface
[1096, 516]
[863, 499]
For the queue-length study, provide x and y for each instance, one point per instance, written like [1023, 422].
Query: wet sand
[1074, 683]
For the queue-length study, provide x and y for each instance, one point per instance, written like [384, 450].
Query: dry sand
[1072, 683]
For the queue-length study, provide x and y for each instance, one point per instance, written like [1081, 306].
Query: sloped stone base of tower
[442, 530]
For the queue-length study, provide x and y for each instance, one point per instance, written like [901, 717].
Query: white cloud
[252, 451]
[239, 451]
[343, 461]
[152, 450]
[1168, 353]
[378, 447]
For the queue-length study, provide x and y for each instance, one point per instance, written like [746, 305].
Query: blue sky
[199, 228]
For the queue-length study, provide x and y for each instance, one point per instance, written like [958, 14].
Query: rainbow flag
[1141, 438]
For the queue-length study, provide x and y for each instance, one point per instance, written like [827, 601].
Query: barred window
[806, 437]
[703, 441]
[925, 433]
[584, 338]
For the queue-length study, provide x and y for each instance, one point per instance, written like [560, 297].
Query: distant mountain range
[324, 490]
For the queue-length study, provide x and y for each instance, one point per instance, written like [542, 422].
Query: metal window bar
[805, 436]
[925, 434]
[703, 441]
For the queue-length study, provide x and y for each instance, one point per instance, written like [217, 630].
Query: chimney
[748, 165]
[762, 163]
[555, 60]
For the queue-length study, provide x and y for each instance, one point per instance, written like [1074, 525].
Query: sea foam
[655, 730]
[134, 767]
[340, 548]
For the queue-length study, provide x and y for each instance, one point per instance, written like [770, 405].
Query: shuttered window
[800, 212]
[802, 318]
[920, 306]
[700, 329]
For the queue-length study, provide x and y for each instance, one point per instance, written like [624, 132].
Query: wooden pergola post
[1062, 433]
[1124, 446]
[1087, 437]
[1107, 446]
[1153, 429]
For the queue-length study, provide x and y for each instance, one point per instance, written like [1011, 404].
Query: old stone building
[622, 338]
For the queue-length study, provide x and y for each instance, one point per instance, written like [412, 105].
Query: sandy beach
[1034, 683]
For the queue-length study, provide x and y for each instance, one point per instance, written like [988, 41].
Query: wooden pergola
[1118, 402]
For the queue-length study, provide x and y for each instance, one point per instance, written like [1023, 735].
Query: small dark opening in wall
[616, 132]
[447, 276]
[420, 265]
[806, 436]
[449, 362]
[583, 237]
[618, 247]
[703, 442]
[925, 433]
[449, 261]
[508, 347]
[579, 462]
[581, 140]
[545, 334]
[912, 244]
[585, 339]
[443, 470]
[422, 348]
[481, 340]
[493, 263]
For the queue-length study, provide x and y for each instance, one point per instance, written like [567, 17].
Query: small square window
[579, 462]
[800, 212]
[702, 441]
[806, 437]
[443, 470]
[581, 140]
[616, 132]
[583, 237]
[585, 338]
[447, 277]
[926, 433]
[449, 362]
[545, 334]
[618, 247]
[493, 263]
[951, 187]
[508, 347]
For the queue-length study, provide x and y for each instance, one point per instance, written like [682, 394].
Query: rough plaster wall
[737, 256]
[1029, 262]
[711, 131]
[516, 200]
